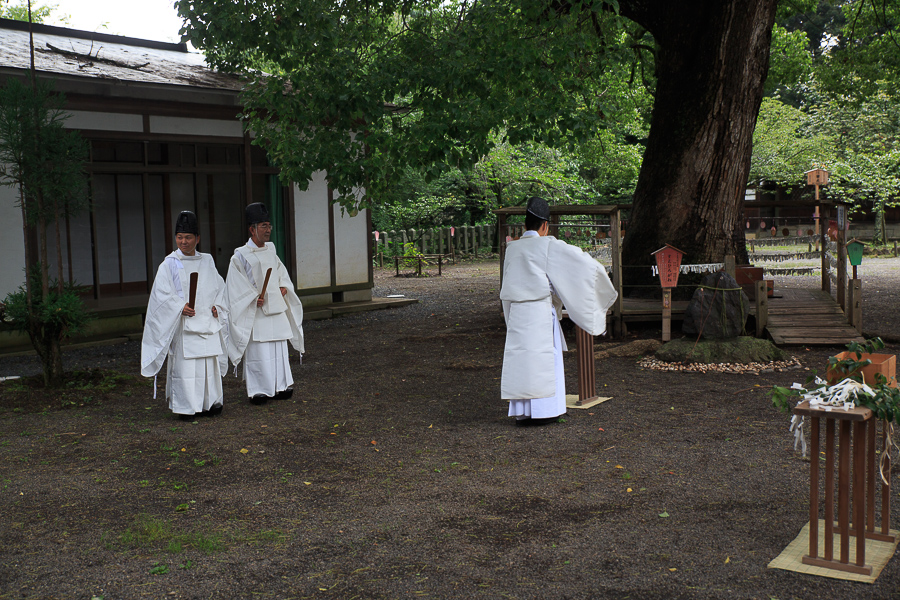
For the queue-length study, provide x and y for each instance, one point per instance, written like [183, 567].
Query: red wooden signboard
[668, 262]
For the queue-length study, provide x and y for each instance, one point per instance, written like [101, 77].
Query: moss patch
[738, 350]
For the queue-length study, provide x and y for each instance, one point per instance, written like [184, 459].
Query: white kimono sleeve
[582, 284]
[294, 308]
[241, 298]
[163, 318]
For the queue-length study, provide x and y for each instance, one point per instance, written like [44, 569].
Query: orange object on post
[668, 263]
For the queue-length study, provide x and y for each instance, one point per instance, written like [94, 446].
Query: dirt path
[394, 473]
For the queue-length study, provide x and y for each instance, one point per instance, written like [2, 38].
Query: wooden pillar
[842, 268]
[854, 304]
[823, 239]
[762, 307]
[814, 487]
[615, 253]
[730, 266]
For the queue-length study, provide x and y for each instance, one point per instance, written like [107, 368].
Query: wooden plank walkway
[808, 318]
[796, 317]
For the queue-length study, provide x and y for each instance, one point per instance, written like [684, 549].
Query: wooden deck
[796, 317]
[808, 318]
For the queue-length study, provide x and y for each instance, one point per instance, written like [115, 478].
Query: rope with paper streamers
[783, 256]
[783, 241]
[699, 268]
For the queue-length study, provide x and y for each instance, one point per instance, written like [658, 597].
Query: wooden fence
[445, 240]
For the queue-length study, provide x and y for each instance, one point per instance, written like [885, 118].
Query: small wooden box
[886, 364]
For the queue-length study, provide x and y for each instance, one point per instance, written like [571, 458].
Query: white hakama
[193, 385]
[551, 406]
[267, 369]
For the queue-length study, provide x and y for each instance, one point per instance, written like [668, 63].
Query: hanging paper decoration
[452, 231]
[762, 224]
[748, 224]
[701, 268]
[376, 236]
[508, 238]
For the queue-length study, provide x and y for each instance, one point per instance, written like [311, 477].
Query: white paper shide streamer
[840, 396]
[701, 268]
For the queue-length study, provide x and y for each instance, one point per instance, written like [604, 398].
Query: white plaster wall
[80, 119]
[188, 126]
[350, 250]
[313, 258]
[12, 246]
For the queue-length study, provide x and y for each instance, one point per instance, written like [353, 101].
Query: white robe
[540, 274]
[195, 346]
[259, 335]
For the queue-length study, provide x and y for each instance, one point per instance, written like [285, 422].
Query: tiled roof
[69, 52]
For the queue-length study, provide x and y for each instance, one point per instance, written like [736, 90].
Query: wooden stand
[587, 377]
[863, 464]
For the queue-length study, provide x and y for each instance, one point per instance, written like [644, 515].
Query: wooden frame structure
[858, 476]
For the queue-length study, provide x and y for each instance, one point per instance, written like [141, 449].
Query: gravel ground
[393, 472]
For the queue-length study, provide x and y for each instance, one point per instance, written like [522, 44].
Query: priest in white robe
[192, 338]
[541, 275]
[265, 315]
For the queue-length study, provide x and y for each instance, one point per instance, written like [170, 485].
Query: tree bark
[712, 60]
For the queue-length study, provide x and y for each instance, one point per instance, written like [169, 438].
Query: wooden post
[730, 266]
[814, 487]
[762, 307]
[855, 303]
[667, 315]
[823, 238]
[615, 252]
[842, 267]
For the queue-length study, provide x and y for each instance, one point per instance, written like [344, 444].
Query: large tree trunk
[713, 56]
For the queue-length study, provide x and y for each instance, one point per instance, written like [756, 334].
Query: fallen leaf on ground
[244, 451]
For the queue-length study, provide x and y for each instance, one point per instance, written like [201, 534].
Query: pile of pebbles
[754, 368]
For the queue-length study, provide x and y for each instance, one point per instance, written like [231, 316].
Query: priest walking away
[187, 323]
[265, 312]
[541, 275]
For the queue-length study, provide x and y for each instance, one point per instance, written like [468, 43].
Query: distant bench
[423, 259]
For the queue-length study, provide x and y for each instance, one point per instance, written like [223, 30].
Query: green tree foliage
[787, 142]
[40, 13]
[863, 59]
[451, 74]
[45, 162]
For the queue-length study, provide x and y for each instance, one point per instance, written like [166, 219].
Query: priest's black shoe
[284, 394]
[259, 399]
[215, 411]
